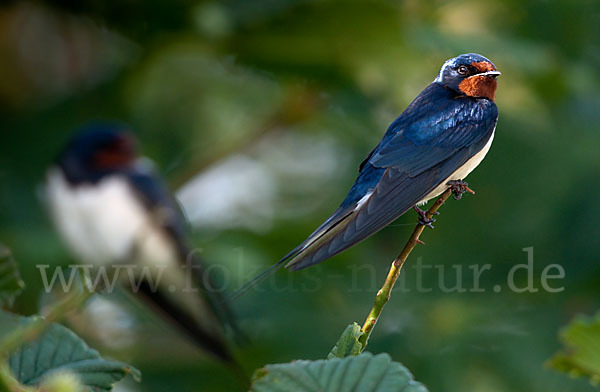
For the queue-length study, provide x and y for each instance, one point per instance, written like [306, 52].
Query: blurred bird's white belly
[106, 224]
[462, 172]
[103, 223]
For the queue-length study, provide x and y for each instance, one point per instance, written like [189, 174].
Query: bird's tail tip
[255, 281]
[262, 276]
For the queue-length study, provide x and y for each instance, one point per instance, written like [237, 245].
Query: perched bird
[433, 145]
[112, 209]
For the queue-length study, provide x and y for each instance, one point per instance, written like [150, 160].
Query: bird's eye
[462, 70]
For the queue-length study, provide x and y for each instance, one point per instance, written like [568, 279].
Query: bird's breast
[101, 223]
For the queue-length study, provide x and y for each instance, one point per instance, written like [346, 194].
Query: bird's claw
[427, 222]
[459, 187]
[423, 219]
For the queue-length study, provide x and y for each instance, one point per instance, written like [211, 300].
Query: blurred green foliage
[282, 100]
[364, 372]
[57, 351]
[11, 284]
[581, 353]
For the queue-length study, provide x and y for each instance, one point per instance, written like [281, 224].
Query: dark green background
[304, 90]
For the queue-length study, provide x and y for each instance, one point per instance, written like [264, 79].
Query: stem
[383, 295]
[9, 383]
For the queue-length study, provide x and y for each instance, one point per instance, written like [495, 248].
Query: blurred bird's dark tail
[210, 342]
[178, 317]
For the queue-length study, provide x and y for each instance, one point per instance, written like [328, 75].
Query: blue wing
[431, 139]
[154, 195]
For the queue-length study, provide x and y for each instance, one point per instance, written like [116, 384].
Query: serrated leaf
[363, 373]
[58, 349]
[11, 284]
[348, 343]
[581, 354]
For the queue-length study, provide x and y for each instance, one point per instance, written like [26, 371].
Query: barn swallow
[111, 208]
[434, 144]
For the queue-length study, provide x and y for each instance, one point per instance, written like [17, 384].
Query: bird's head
[471, 75]
[98, 148]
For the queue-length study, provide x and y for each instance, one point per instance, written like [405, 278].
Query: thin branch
[9, 383]
[383, 295]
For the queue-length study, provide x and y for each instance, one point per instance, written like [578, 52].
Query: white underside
[102, 223]
[106, 224]
[462, 172]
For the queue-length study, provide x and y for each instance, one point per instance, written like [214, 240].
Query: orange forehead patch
[112, 159]
[483, 66]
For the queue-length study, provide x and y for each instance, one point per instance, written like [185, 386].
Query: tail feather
[348, 231]
[323, 246]
[216, 300]
[178, 317]
[260, 278]
[213, 343]
[289, 260]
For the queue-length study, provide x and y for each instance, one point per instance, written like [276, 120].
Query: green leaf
[581, 354]
[58, 349]
[363, 373]
[348, 343]
[11, 284]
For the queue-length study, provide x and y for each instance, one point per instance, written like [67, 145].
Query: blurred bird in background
[112, 209]
[433, 145]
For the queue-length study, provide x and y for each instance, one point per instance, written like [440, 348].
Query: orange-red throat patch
[480, 86]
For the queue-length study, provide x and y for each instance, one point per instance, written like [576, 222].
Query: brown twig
[383, 295]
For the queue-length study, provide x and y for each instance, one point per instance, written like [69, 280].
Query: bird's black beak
[490, 74]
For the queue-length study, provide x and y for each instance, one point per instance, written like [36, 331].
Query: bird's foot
[459, 187]
[423, 219]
